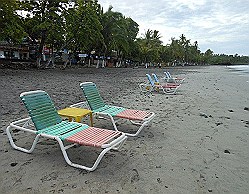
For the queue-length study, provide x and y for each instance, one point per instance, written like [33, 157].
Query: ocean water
[240, 69]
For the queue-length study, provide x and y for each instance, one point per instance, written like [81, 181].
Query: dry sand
[198, 142]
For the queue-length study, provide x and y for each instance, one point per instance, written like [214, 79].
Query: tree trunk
[43, 37]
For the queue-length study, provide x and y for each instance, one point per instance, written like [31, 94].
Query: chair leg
[117, 146]
[64, 152]
[135, 123]
[8, 131]
[113, 122]
[141, 124]
[139, 130]
[170, 91]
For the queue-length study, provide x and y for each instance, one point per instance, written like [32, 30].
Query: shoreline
[198, 142]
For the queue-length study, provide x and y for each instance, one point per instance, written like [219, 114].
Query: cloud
[182, 5]
[220, 25]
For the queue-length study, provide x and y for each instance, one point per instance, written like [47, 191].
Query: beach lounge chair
[169, 78]
[167, 83]
[44, 121]
[98, 106]
[167, 88]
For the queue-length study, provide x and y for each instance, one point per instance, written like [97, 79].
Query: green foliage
[119, 34]
[11, 29]
[81, 25]
[43, 23]
[150, 45]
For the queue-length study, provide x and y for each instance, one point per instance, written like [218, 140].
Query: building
[9, 51]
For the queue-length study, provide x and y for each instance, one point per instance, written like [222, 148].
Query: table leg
[78, 119]
[91, 119]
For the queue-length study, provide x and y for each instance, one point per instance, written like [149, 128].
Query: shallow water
[241, 69]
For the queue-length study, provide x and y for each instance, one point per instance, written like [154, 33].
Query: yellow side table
[76, 113]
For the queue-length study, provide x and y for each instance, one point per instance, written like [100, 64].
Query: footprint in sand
[13, 164]
[150, 135]
[226, 151]
[135, 176]
[246, 123]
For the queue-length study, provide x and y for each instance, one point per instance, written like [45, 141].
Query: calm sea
[241, 69]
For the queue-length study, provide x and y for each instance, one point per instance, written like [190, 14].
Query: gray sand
[198, 142]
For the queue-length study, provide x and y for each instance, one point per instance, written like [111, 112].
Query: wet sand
[197, 143]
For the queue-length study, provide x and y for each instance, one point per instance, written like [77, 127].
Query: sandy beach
[197, 143]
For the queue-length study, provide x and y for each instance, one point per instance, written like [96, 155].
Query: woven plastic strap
[169, 85]
[93, 137]
[112, 110]
[64, 129]
[41, 109]
[92, 96]
[150, 79]
[155, 77]
[134, 114]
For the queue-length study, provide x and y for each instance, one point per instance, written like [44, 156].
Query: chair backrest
[166, 74]
[92, 95]
[150, 79]
[155, 77]
[40, 108]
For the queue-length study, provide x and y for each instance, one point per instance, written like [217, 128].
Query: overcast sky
[219, 25]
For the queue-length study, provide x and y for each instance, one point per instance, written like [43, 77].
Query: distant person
[65, 58]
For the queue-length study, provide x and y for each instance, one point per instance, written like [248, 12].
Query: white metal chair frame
[114, 120]
[168, 77]
[27, 125]
[151, 86]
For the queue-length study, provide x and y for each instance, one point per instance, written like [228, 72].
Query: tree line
[82, 25]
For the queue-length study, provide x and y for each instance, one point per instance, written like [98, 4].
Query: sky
[219, 25]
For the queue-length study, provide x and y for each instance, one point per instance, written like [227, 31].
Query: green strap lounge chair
[114, 113]
[44, 121]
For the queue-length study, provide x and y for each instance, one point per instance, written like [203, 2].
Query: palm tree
[150, 45]
[119, 33]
